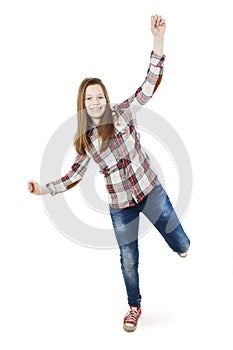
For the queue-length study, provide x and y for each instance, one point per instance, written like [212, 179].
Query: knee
[129, 264]
[129, 261]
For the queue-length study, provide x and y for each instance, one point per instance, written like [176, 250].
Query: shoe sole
[183, 255]
[129, 329]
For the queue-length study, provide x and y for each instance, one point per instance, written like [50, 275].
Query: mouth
[96, 109]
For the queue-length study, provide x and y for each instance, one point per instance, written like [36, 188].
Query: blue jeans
[157, 207]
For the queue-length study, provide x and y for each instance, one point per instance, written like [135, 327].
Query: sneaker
[131, 318]
[182, 255]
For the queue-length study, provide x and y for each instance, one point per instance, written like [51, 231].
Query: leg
[126, 223]
[159, 211]
[129, 265]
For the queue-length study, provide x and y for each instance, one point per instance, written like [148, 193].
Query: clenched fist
[158, 26]
[34, 188]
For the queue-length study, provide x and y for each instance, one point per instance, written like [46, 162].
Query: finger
[158, 20]
[153, 20]
[31, 187]
[162, 22]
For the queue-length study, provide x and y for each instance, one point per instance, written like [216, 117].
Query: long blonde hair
[106, 126]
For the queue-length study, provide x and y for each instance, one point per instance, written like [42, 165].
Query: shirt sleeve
[74, 176]
[151, 82]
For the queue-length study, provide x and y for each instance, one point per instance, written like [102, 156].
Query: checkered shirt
[124, 163]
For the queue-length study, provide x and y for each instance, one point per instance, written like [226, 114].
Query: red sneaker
[131, 318]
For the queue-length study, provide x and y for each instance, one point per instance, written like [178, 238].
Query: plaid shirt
[124, 163]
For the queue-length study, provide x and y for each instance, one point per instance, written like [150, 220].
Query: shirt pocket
[121, 136]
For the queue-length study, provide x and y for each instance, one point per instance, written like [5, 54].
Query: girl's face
[95, 102]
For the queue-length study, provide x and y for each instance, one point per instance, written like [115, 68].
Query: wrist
[44, 190]
[158, 45]
[158, 37]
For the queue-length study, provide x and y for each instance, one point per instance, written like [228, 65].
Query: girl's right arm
[37, 189]
[64, 183]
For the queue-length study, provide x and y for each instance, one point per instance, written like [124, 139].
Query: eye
[101, 97]
[88, 98]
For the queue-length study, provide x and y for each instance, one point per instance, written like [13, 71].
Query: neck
[95, 121]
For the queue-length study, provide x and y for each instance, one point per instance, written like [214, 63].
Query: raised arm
[154, 73]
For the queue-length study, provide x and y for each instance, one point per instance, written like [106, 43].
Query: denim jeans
[157, 207]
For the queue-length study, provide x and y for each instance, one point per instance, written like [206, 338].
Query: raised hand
[158, 26]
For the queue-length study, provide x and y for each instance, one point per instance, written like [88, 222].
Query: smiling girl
[110, 137]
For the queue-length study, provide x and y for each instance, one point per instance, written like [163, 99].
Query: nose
[95, 101]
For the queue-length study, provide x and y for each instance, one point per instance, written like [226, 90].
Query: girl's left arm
[155, 71]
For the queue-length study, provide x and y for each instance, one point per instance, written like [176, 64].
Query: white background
[56, 294]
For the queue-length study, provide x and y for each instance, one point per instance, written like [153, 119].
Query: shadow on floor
[156, 318]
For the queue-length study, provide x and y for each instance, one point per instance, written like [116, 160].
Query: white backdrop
[56, 294]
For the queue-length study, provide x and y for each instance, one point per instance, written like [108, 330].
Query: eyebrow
[97, 95]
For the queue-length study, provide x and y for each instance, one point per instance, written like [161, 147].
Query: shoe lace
[132, 316]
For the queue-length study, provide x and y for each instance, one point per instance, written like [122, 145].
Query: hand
[34, 187]
[158, 26]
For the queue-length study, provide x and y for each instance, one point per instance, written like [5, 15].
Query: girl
[109, 136]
